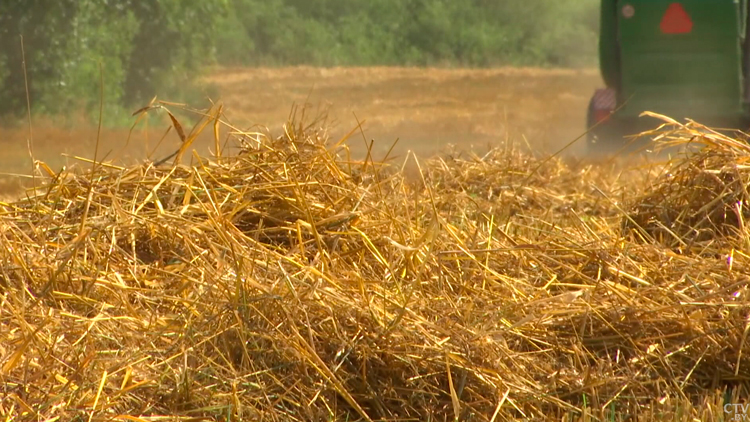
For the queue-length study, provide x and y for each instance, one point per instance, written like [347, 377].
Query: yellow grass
[289, 283]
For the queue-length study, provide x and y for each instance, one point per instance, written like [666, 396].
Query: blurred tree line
[150, 47]
[145, 47]
[410, 32]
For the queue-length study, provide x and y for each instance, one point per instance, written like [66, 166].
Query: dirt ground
[425, 109]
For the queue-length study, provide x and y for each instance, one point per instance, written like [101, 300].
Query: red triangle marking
[676, 20]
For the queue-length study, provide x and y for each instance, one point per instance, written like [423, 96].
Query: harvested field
[287, 283]
[425, 108]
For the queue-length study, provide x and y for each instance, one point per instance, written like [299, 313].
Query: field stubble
[426, 109]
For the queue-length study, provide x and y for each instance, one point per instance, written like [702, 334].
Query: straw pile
[701, 200]
[285, 283]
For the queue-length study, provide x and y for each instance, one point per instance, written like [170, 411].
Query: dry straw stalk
[285, 283]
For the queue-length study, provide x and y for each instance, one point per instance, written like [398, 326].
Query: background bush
[146, 47]
[409, 32]
[157, 47]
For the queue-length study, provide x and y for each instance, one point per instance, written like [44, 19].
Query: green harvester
[682, 59]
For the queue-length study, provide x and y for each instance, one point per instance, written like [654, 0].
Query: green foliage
[409, 32]
[144, 48]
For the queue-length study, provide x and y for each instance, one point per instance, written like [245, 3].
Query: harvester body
[682, 59]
